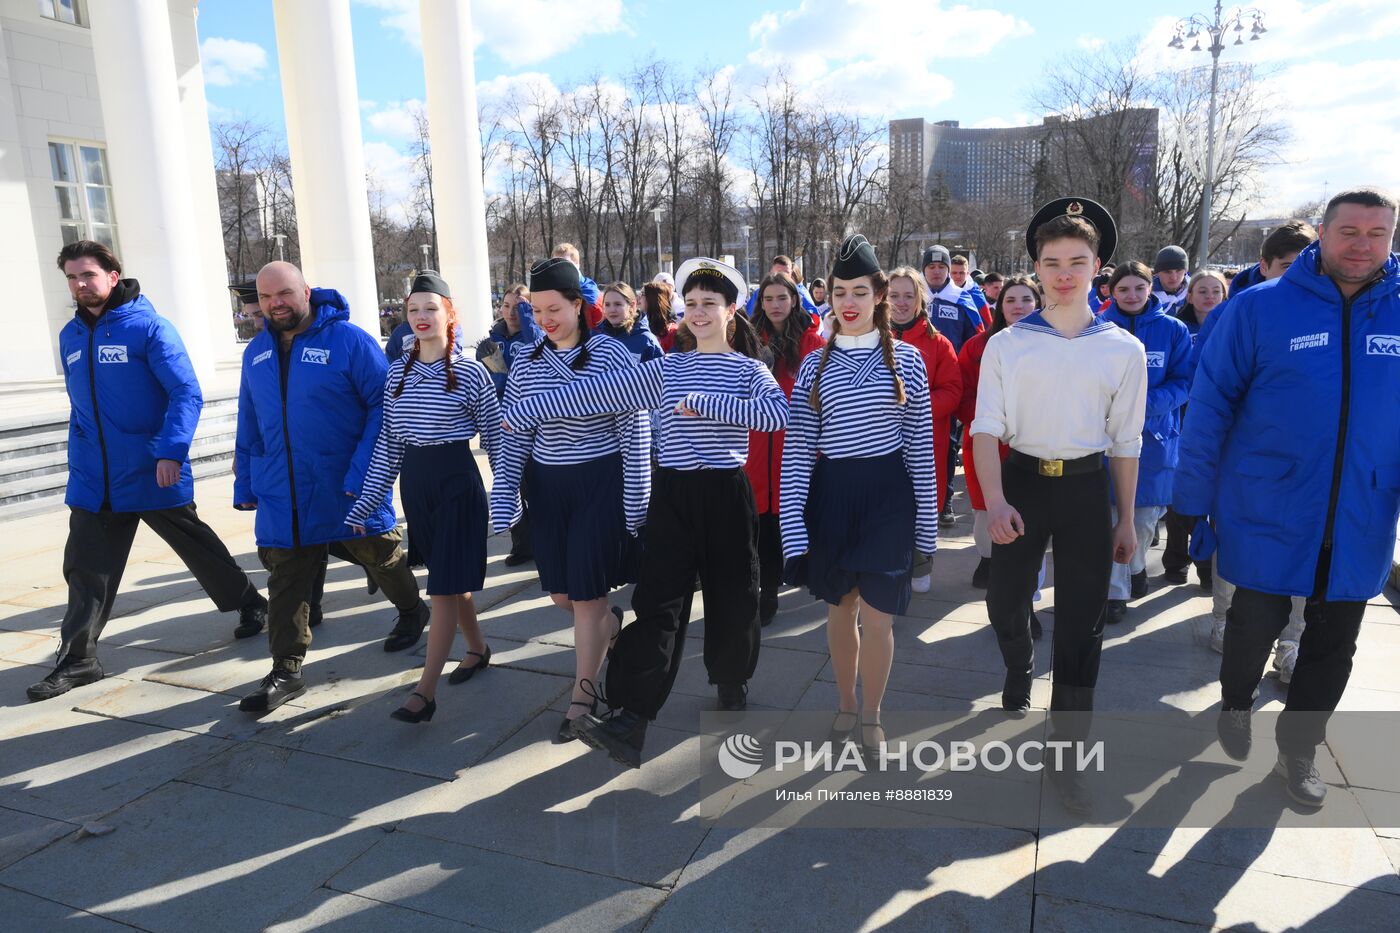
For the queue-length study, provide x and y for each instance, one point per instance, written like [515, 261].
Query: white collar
[864, 341]
[949, 292]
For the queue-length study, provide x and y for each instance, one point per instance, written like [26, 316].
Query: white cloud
[1323, 97]
[1090, 43]
[511, 29]
[226, 62]
[391, 173]
[394, 120]
[1323, 91]
[883, 56]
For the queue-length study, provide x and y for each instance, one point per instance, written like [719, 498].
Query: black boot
[1301, 779]
[1139, 585]
[276, 688]
[983, 571]
[1016, 691]
[733, 697]
[252, 619]
[1235, 733]
[621, 734]
[408, 628]
[70, 673]
[1075, 705]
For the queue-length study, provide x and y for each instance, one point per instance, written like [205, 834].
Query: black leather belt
[1056, 467]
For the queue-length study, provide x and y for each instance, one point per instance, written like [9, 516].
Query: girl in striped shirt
[433, 405]
[588, 474]
[859, 483]
[702, 517]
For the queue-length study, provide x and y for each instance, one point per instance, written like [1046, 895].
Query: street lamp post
[1215, 30]
[280, 238]
[826, 257]
[427, 259]
[748, 273]
[656, 216]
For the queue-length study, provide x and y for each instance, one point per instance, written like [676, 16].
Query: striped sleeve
[615, 392]
[799, 459]
[486, 412]
[515, 447]
[384, 466]
[916, 426]
[634, 435]
[766, 408]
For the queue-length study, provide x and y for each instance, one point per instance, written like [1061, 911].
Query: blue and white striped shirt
[426, 414]
[575, 437]
[733, 394]
[859, 418]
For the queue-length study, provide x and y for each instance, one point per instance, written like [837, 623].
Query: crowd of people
[701, 435]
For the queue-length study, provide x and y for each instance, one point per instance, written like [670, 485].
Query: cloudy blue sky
[1333, 63]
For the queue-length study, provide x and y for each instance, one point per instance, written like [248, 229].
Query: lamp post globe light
[1215, 30]
[748, 275]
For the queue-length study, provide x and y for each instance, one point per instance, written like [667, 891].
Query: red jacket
[945, 389]
[766, 449]
[970, 363]
[668, 340]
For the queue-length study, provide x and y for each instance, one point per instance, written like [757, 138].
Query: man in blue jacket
[956, 317]
[1167, 343]
[1295, 403]
[135, 405]
[309, 411]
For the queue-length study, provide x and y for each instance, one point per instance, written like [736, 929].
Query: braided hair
[580, 361]
[412, 355]
[881, 284]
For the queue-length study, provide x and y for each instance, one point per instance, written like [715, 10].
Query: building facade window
[83, 189]
[64, 11]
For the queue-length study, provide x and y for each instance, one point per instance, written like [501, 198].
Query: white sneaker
[1285, 659]
[921, 584]
[1217, 635]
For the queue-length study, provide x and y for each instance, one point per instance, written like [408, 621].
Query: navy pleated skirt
[860, 529]
[582, 547]
[446, 507]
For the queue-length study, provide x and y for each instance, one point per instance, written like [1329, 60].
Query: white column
[322, 101]
[194, 113]
[150, 165]
[27, 352]
[458, 199]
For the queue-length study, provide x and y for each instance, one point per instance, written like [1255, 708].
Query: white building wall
[54, 88]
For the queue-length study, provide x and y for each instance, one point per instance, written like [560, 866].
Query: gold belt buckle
[1052, 468]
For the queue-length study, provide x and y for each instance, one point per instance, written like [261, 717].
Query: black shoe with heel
[566, 728]
[841, 735]
[404, 714]
[872, 749]
[463, 674]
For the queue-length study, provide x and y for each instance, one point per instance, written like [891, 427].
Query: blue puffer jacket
[305, 452]
[1247, 278]
[134, 400]
[1291, 439]
[639, 340]
[1168, 346]
[957, 320]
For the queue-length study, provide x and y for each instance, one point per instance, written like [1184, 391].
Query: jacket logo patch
[264, 355]
[1156, 358]
[111, 354]
[1383, 345]
[406, 343]
[74, 357]
[1307, 341]
[949, 312]
[315, 355]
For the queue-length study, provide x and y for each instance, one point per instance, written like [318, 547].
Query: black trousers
[955, 432]
[699, 521]
[1325, 651]
[95, 556]
[1074, 512]
[1175, 555]
[770, 562]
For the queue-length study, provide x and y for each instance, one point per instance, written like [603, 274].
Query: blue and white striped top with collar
[575, 437]
[732, 393]
[1036, 321]
[426, 414]
[859, 418]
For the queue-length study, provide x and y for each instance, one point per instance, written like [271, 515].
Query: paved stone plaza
[149, 801]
